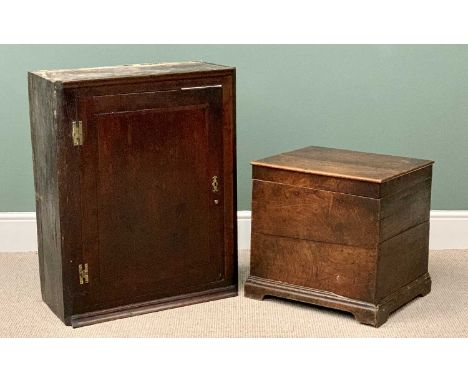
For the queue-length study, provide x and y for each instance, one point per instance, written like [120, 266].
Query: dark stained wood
[112, 75]
[344, 270]
[366, 313]
[346, 164]
[310, 214]
[45, 100]
[137, 309]
[315, 181]
[135, 202]
[339, 184]
[399, 183]
[405, 209]
[230, 171]
[401, 260]
[136, 174]
[69, 196]
[358, 241]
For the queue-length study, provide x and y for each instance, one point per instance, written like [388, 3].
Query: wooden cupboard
[135, 178]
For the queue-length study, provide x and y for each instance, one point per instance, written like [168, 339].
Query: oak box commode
[135, 178]
[341, 229]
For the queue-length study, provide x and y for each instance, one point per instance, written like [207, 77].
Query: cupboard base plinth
[151, 306]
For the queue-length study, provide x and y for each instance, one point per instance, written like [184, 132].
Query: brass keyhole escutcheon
[215, 184]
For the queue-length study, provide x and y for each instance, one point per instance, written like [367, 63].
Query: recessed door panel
[152, 219]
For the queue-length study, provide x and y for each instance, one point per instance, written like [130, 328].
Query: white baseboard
[449, 230]
[244, 219]
[18, 231]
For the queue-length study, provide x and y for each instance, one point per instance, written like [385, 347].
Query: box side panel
[344, 270]
[320, 182]
[405, 209]
[43, 103]
[401, 182]
[402, 259]
[304, 213]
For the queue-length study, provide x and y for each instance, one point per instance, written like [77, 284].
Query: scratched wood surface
[345, 270]
[44, 130]
[342, 229]
[405, 209]
[316, 181]
[368, 167]
[402, 259]
[126, 71]
[310, 214]
[157, 240]
[135, 201]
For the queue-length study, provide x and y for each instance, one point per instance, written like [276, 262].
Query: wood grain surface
[317, 215]
[135, 202]
[144, 71]
[342, 229]
[346, 164]
[402, 259]
[157, 240]
[344, 270]
[44, 100]
[405, 209]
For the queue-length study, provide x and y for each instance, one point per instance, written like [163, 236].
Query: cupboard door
[151, 195]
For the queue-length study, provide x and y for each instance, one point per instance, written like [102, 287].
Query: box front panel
[316, 181]
[344, 270]
[310, 214]
[317, 239]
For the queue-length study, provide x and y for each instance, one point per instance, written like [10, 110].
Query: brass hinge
[83, 272]
[77, 133]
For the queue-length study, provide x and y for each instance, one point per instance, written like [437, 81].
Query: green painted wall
[402, 100]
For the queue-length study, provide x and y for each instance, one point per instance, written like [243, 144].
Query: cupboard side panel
[230, 178]
[43, 103]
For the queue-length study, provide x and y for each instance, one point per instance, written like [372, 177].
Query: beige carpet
[443, 313]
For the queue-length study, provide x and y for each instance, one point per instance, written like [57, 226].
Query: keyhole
[215, 184]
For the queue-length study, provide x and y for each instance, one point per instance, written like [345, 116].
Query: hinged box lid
[345, 171]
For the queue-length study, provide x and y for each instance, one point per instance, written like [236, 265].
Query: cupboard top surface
[347, 164]
[128, 71]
